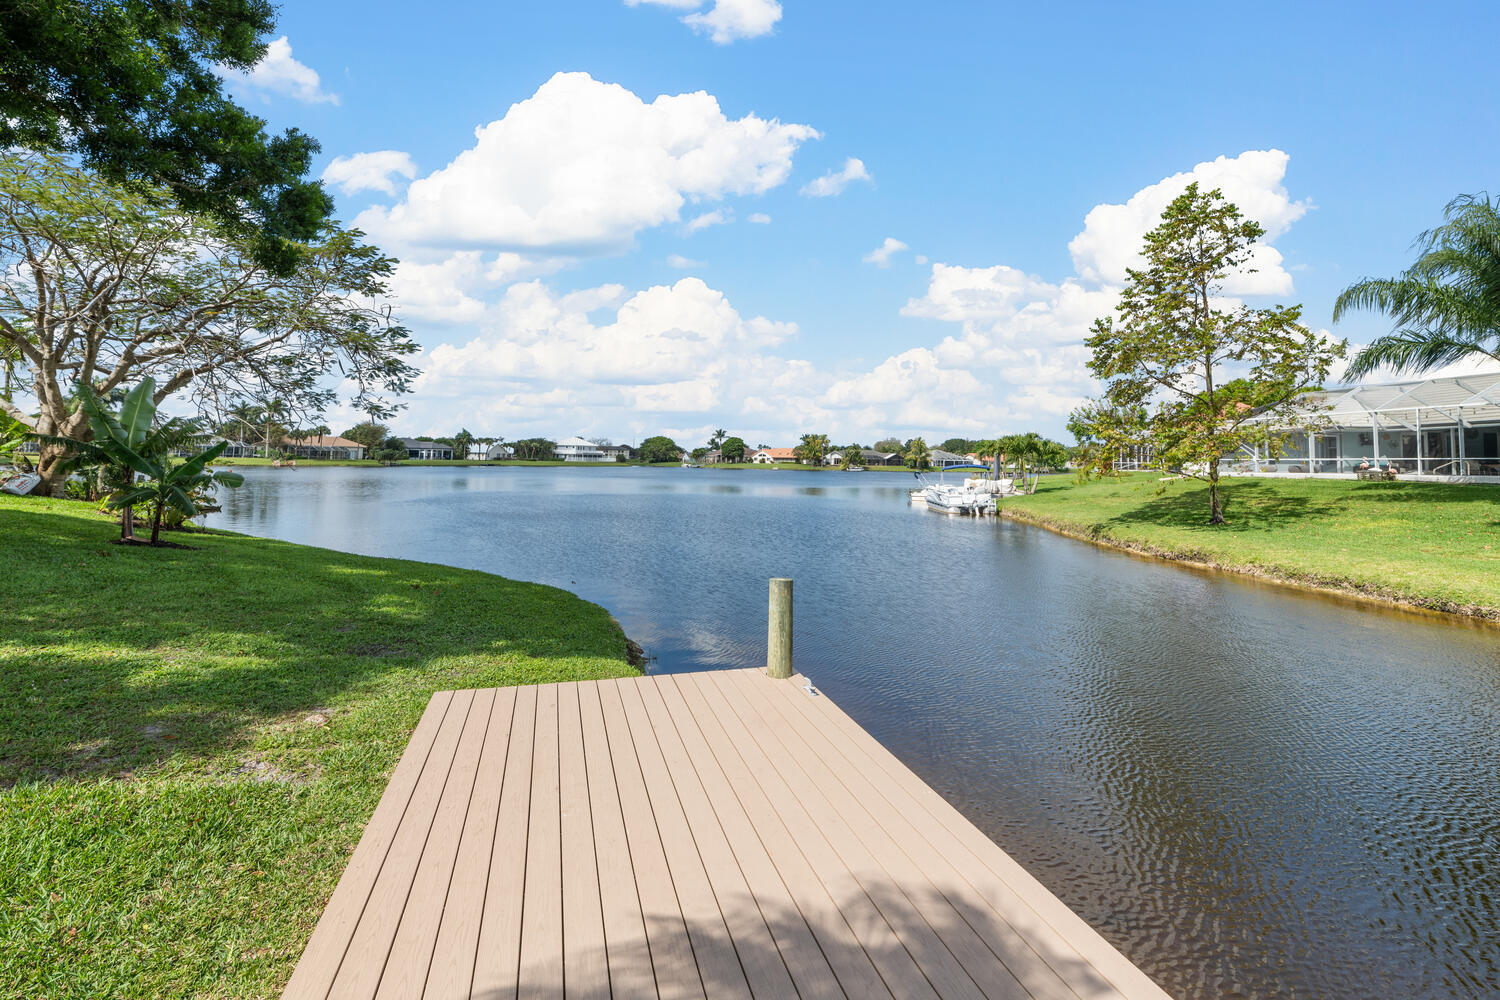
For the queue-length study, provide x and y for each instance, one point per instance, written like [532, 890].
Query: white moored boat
[975, 497]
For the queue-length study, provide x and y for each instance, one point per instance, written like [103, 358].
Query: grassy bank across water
[191, 741]
[1429, 545]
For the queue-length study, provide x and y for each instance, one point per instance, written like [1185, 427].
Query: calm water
[1252, 792]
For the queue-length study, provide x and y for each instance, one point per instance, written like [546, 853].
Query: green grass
[192, 741]
[1431, 545]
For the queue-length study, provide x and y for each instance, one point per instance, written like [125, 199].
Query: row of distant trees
[263, 426]
[1029, 450]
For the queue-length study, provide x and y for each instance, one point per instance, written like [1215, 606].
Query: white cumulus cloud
[370, 171]
[725, 21]
[760, 218]
[717, 217]
[835, 181]
[582, 166]
[680, 262]
[881, 255]
[680, 359]
[279, 73]
[1113, 234]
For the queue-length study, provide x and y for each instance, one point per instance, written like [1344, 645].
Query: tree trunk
[1216, 506]
[127, 514]
[156, 522]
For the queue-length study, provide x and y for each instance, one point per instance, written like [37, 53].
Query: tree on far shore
[812, 449]
[369, 434]
[1178, 345]
[887, 445]
[733, 449]
[918, 456]
[534, 449]
[660, 449]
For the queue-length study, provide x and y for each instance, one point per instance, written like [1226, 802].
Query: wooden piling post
[779, 633]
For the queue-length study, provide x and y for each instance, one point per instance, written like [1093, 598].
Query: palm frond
[1446, 306]
[1414, 351]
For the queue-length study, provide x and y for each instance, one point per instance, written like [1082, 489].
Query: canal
[1252, 791]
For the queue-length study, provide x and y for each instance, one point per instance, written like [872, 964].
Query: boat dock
[711, 834]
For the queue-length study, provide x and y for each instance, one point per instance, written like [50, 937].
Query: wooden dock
[716, 834]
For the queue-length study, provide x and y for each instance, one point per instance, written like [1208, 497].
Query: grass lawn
[192, 741]
[1427, 544]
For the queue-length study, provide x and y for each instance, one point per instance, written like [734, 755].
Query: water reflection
[1253, 792]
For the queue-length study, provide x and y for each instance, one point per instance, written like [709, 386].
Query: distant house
[867, 457]
[498, 452]
[234, 449]
[941, 459]
[326, 446]
[771, 456]
[424, 450]
[577, 449]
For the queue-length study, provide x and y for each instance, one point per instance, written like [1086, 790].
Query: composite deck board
[709, 835]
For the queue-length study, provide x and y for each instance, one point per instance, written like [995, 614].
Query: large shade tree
[131, 90]
[660, 449]
[1207, 364]
[1446, 306]
[101, 285]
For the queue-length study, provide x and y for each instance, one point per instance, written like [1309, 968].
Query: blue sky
[557, 287]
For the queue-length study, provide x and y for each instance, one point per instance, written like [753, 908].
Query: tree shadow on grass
[1249, 505]
[214, 660]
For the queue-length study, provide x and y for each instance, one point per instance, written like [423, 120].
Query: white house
[425, 450]
[770, 456]
[1445, 429]
[577, 449]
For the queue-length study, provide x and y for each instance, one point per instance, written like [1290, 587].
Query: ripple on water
[1253, 792]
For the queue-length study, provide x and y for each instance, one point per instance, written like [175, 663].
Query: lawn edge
[1365, 593]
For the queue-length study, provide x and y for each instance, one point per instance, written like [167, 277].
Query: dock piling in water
[779, 632]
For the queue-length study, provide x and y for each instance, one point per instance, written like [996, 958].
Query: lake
[1252, 791]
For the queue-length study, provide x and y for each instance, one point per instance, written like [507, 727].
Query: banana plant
[131, 438]
[167, 486]
[13, 434]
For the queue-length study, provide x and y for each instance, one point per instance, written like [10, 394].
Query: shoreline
[1452, 612]
[463, 463]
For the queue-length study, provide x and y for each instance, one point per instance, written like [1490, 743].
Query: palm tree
[1446, 305]
[918, 456]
